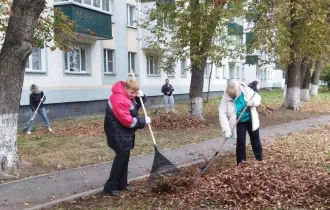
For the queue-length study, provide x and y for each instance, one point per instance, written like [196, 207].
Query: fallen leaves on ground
[80, 128]
[293, 175]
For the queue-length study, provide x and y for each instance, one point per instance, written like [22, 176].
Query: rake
[161, 165]
[207, 165]
[158, 107]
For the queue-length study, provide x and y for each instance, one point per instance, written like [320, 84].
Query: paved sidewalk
[38, 191]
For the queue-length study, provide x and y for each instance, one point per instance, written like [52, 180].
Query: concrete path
[41, 191]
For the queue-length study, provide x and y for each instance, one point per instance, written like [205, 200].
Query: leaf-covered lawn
[79, 142]
[293, 175]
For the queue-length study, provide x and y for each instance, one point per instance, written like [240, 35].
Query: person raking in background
[120, 123]
[35, 97]
[236, 97]
[167, 90]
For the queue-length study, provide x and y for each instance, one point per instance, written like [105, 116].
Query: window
[89, 2]
[131, 62]
[261, 74]
[34, 61]
[224, 69]
[232, 71]
[75, 61]
[258, 72]
[94, 4]
[207, 70]
[183, 68]
[108, 61]
[238, 74]
[217, 72]
[271, 75]
[106, 5]
[130, 15]
[151, 67]
[243, 73]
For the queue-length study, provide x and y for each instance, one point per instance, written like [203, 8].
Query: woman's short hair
[132, 84]
[233, 90]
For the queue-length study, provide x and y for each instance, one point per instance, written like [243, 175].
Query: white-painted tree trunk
[8, 135]
[314, 90]
[196, 107]
[284, 91]
[304, 95]
[292, 99]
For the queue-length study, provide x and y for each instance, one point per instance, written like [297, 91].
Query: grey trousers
[171, 99]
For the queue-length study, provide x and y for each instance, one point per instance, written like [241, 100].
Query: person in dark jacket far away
[167, 90]
[35, 98]
[120, 123]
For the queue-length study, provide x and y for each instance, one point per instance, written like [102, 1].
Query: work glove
[35, 112]
[168, 93]
[140, 93]
[148, 120]
[228, 135]
[249, 103]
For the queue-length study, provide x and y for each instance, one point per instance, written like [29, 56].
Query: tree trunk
[316, 78]
[304, 66]
[304, 95]
[209, 85]
[15, 51]
[196, 92]
[292, 99]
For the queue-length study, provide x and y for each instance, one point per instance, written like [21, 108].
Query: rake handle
[145, 113]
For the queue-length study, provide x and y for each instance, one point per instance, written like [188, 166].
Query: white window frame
[42, 63]
[86, 5]
[131, 65]
[183, 65]
[150, 61]
[87, 60]
[106, 61]
[130, 23]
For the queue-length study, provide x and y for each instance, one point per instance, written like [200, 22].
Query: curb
[98, 190]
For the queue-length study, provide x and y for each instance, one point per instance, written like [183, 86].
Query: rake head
[162, 167]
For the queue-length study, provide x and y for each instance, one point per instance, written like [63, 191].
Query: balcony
[91, 21]
[252, 59]
[235, 29]
[249, 40]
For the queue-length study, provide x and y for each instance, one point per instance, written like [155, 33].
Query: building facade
[79, 82]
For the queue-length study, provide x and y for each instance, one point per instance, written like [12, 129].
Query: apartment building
[79, 82]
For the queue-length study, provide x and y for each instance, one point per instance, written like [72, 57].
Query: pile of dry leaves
[293, 175]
